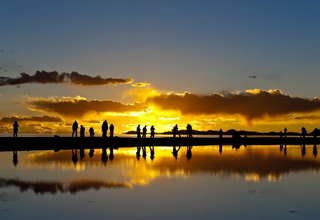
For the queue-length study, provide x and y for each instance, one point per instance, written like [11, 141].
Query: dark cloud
[73, 107]
[43, 118]
[254, 104]
[54, 77]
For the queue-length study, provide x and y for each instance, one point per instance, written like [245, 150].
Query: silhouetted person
[152, 131]
[82, 129]
[104, 128]
[175, 151]
[104, 156]
[175, 131]
[138, 152]
[144, 132]
[315, 150]
[111, 130]
[75, 128]
[285, 132]
[91, 131]
[82, 153]
[138, 131]
[111, 156]
[75, 156]
[281, 134]
[151, 152]
[15, 129]
[303, 132]
[220, 133]
[91, 153]
[189, 131]
[15, 158]
[189, 152]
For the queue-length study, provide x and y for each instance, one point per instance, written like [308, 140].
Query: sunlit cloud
[141, 84]
[44, 77]
[252, 104]
[79, 107]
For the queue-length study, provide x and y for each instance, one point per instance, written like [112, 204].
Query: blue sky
[201, 47]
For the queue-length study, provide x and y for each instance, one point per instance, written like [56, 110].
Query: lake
[205, 182]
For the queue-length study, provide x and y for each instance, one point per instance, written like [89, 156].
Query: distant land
[316, 131]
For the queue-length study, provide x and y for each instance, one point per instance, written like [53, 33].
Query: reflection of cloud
[54, 77]
[42, 187]
[141, 84]
[43, 118]
[78, 106]
[253, 163]
[253, 104]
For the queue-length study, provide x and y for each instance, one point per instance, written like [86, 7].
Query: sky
[245, 65]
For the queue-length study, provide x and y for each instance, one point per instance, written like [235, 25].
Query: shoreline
[60, 143]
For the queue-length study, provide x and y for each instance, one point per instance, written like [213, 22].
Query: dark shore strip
[60, 143]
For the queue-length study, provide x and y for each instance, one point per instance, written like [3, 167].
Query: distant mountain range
[316, 131]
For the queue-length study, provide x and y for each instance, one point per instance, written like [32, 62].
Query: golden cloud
[252, 104]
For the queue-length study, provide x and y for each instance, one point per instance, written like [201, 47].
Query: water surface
[260, 182]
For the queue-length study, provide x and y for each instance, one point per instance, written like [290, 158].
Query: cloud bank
[43, 118]
[44, 77]
[251, 105]
[78, 107]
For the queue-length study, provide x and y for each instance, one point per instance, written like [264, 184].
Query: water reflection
[15, 158]
[253, 163]
[51, 187]
[315, 150]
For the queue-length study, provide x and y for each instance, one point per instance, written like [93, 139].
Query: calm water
[256, 182]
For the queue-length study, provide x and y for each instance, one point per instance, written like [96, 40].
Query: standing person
[75, 128]
[285, 132]
[15, 129]
[104, 128]
[189, 130]
[144, 132]
[303, 132]
[111, 130]
[176, 131]
[220, 133]
[152, 131]
[138, 132]
[91, 131]
[82, 129]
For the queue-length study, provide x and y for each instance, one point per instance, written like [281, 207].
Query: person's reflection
[144, 152]
[175, 151]
[82, 153]
[303, 150]
[285, 150]
[111, 156]
[189, 152]
[315, 150]
[220, 148]
[236, 146]
[138, 152]
[15, 158]
[281, 147]
[91, 152]
[104, 156]
[75, 156]
[151, 152]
